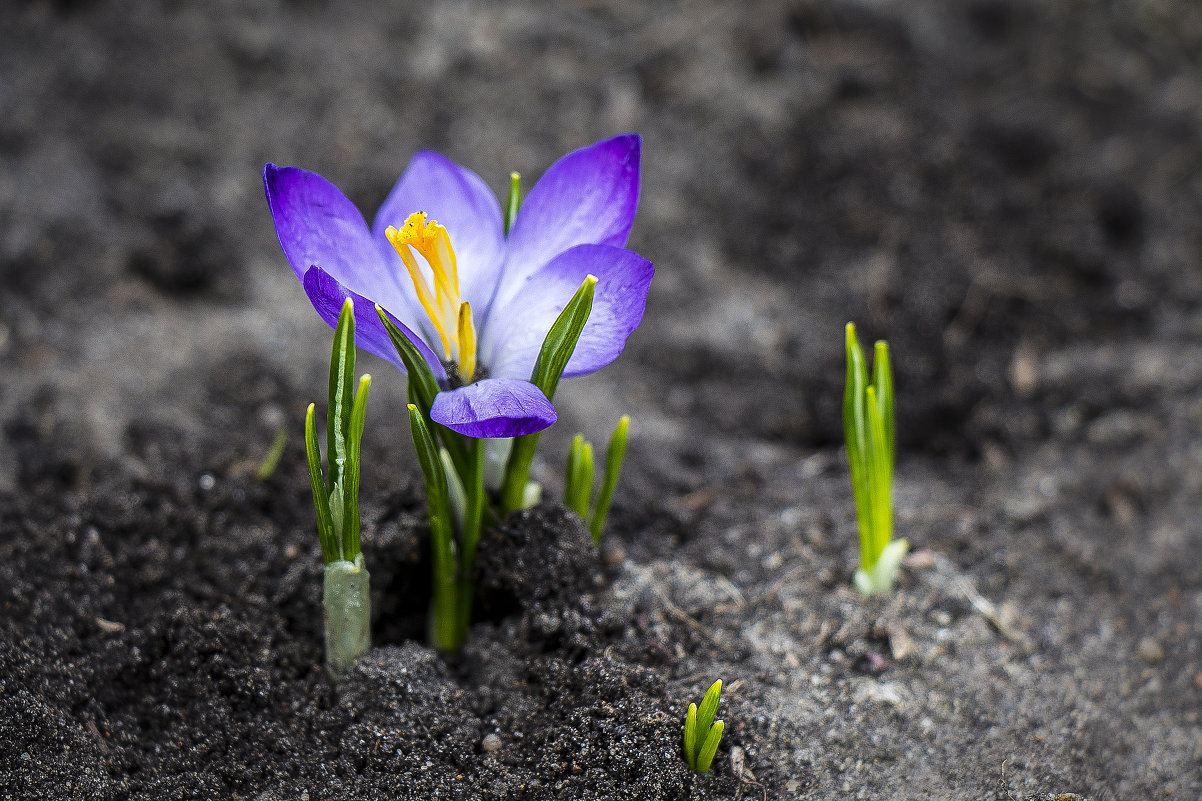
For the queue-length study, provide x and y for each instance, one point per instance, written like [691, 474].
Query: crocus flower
[477, 303]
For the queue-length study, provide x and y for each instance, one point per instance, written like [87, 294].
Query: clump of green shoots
[345, 598]
[454, 467]
[701, 732]
[578, 478]
[868, 426]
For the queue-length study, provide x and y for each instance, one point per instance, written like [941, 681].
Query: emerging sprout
[272, 460]
[336, 499]
[701, 732]
[868, 426]
[578, 478]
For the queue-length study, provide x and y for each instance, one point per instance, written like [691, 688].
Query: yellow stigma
[450, 315]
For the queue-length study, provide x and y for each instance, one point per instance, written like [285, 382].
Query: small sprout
[868, 426]
[578, 481]
[345, 599]
[701, 732]
[578, 478]
[272, 460]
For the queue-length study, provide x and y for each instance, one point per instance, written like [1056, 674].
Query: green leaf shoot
[557, 349]
[445, 628]
[271, 461]
[690, 737]
[423, 386]
[870, 431]
[614, 456]
[578, 478]
[321, 500]
[342, 387]
[346, 601]
[513, 201]
[350, 485]
[701, 733]
[705, 755]
[560, 342]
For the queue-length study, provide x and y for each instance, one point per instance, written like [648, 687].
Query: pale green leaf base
[347, 603]
[880, 577]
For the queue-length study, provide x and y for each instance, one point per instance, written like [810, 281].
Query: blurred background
[979, 181]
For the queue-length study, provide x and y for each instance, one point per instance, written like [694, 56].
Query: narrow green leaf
[878, 477]
[570, 471]
[272, 460]
[855, 429]
[690, 737]
[705, 756]
[614, 455]
[883, 381]
[423, 386]
[342, 370]
[514, 201]
[321, 502]
[578, 487]
[709, 706]
[350, 489]
[557, 349]
[442, 547]
[336, 515]
[561, 340]
[456, 497]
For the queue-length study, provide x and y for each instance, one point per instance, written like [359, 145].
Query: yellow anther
[442, 303]
[467, 343]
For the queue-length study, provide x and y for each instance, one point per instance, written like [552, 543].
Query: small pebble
[613, 555]
[737, 760]
[490, 743]
[919, 560]
[109, 626]
[1150, 651]
[1198, 681]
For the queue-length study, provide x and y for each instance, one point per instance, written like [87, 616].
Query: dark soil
[1010, 191]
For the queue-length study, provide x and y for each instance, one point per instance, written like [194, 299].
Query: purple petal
[328, 296]
[516, 331]
[318, 226]
[494, 407]
[588, 197]
[458, 199]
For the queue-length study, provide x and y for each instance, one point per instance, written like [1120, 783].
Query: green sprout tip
[701, 732]
[869, 429]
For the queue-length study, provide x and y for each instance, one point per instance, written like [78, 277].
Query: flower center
[450, 315]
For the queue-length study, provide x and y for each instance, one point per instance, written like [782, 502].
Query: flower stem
[473, 522]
